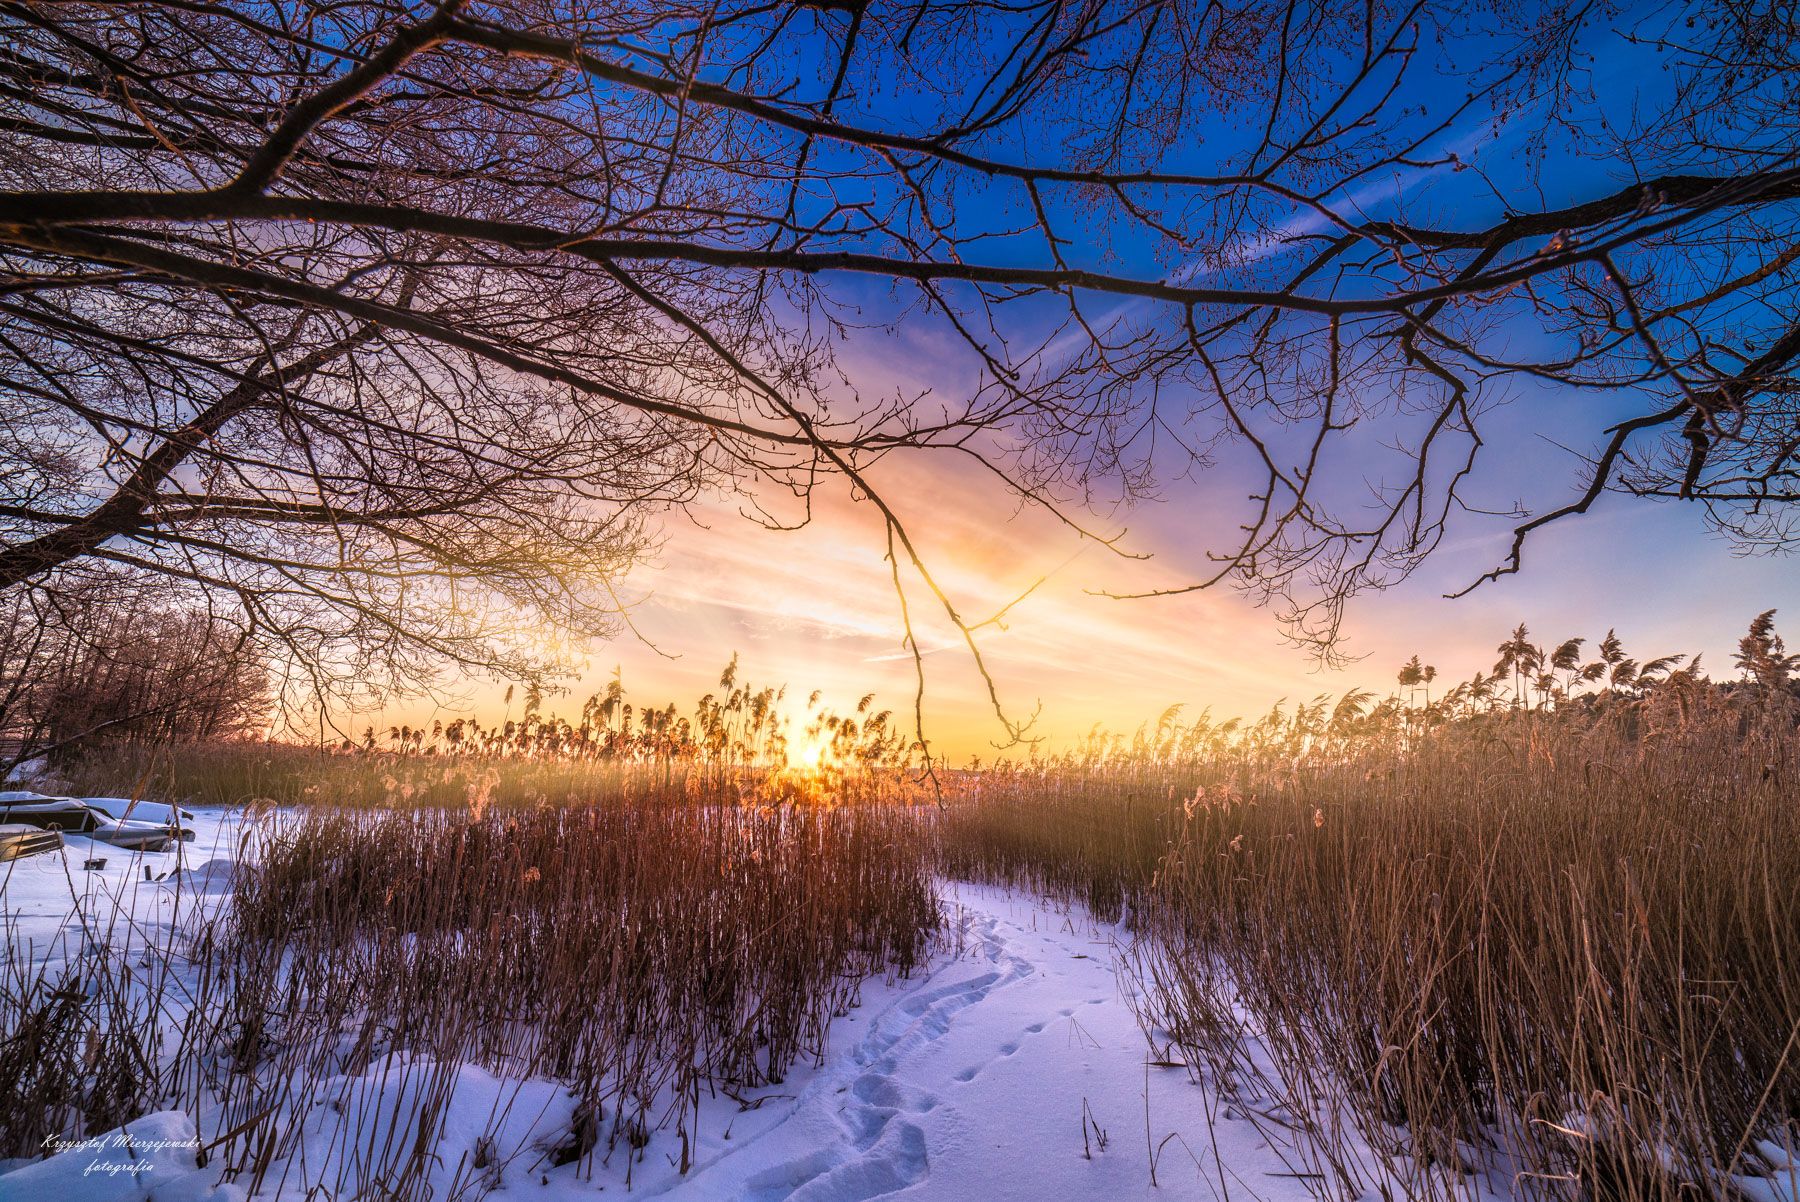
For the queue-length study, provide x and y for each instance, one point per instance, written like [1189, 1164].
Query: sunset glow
[815, 609]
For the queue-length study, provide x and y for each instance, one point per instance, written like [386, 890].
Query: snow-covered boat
[122, 822]
[47, 813]
[138, 825]
[130, 809]
[18, 840]
[136, 836]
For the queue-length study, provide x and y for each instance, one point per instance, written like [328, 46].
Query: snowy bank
[1013, 1069]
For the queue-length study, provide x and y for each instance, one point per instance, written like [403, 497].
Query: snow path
[972, 1084]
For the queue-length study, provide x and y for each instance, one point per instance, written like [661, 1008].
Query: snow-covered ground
[49, 901]
[59, 905]
[1013, 1068]
[976, 1081]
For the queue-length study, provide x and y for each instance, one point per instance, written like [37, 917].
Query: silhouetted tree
[394, 323]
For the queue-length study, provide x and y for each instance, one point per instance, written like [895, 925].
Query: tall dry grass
[641, 952]
[1548, 949]
[731, 745]
[254, 773]
[1541, 941]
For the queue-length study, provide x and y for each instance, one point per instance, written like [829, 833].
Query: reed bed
[243, 773]
[638, 953]
[738, 743]
[1550, 951]
[1536, 939]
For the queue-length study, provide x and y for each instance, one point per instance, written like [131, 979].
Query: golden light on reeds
[817, 606]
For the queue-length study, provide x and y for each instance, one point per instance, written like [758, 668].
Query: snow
[1012, 1069]
[977, 1078]
[150, 1159]
[49, 900]
[972, 1083]
[160, 813]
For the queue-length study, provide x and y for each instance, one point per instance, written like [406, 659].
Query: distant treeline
[121, 659]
